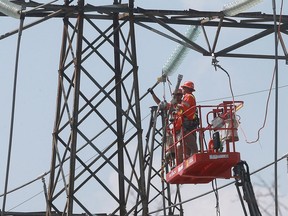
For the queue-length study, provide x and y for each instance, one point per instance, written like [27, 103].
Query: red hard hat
[188, 84]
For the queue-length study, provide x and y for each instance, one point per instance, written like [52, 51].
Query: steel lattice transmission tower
[99, 160]
[104, 58]
[110, 159]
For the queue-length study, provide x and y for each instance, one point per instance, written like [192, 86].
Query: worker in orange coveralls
[188, 118]
[170, 107]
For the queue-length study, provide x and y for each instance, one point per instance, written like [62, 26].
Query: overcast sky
[251, 79]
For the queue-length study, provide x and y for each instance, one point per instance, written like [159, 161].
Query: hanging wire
[273, 77]
[265, 115]
[216, 65]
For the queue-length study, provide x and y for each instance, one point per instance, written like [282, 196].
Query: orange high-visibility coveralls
[185, 115]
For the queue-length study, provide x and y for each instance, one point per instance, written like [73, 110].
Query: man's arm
[155, 98]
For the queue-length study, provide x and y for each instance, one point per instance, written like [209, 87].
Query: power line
[241, 95]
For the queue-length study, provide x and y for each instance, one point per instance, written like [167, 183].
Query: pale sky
[36, 97]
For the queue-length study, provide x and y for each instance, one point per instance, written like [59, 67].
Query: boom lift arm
[242, 177]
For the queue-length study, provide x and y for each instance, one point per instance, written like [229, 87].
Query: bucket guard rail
[215, 158]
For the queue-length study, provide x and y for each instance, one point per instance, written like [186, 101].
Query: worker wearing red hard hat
[188, 101]
[170, 107]
[187, 118]
[189, 85]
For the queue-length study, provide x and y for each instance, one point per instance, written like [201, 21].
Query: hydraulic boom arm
[242, 176]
